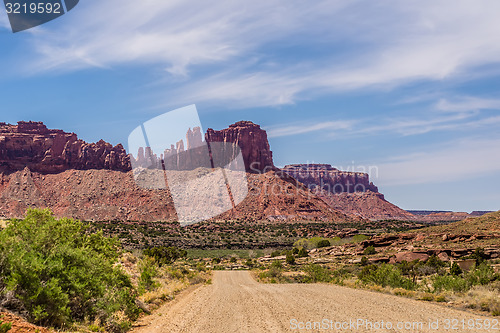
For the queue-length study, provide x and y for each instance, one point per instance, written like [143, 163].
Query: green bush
[455, 269]
[290, 259]
[369, 250]
[275, 253]
[364, 261]
[481, 275]
[317, 273]
[386, 275]
[4, 327]
[323, 243]
[147, 273]
[165, 255]
[302, 253]
[277, 264]
[61, 273]
[479, 255]
[449, 282]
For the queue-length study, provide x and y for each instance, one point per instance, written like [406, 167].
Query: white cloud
[356, 45]
[463, 160]
[287, 130]
[402, 126]
[467, 103]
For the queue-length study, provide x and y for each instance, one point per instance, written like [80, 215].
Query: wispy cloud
[463, 121]
[279, 131]
[463, 160]
[369, 45]
[468, 103]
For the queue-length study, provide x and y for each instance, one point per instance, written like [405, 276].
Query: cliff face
[327, 178]
[251, 139]
[54, 169]
[223, 147]
[32, 145]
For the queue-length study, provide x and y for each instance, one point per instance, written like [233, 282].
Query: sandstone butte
[41, 167]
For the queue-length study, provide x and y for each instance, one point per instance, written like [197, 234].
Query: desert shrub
[317, 273]
[295, 251]
[249, 263]
[216, 260]
[290, 259]
[386, 275]
[364, 261]
[359, 238]
[165, 255]
[4, 327]
[61, 273]
[302, 253]
[271, 273]
[323, 243]
[275, 253]
[481, 275]
[479, 255]
[435, 262]
[232, 260]
[277, 264]
[449, 282]
[147, 273]
[369, 250]
[455, 269]
[310, 243]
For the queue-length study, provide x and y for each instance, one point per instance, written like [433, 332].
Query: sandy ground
[235, 302]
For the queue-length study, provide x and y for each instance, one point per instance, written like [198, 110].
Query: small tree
[369, 250]
[302, 253]
[364, 261]
[455, 269]
[323, 243]
[290, 259]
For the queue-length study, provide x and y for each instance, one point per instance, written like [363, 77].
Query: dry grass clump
[485, 298]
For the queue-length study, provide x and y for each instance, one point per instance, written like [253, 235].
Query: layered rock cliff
[328, 178]
[33, 145]
[251, 139]
[218, 149]
[349, 192]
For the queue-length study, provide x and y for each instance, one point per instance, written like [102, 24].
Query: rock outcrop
[251, 139]
[327, 178]
[218, 149]
[33, 145]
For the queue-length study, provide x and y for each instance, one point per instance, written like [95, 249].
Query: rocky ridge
[33, 145]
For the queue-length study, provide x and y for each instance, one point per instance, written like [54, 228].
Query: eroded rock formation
[33, 145]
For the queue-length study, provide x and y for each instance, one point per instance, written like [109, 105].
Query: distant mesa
[327, 178]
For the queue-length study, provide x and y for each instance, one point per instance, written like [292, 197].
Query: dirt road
[235, 302]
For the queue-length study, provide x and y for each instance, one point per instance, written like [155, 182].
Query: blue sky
[411, 88]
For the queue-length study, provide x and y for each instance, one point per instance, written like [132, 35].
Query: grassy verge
[432, 280]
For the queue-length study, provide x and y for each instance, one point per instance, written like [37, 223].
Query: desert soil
[235, 302]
